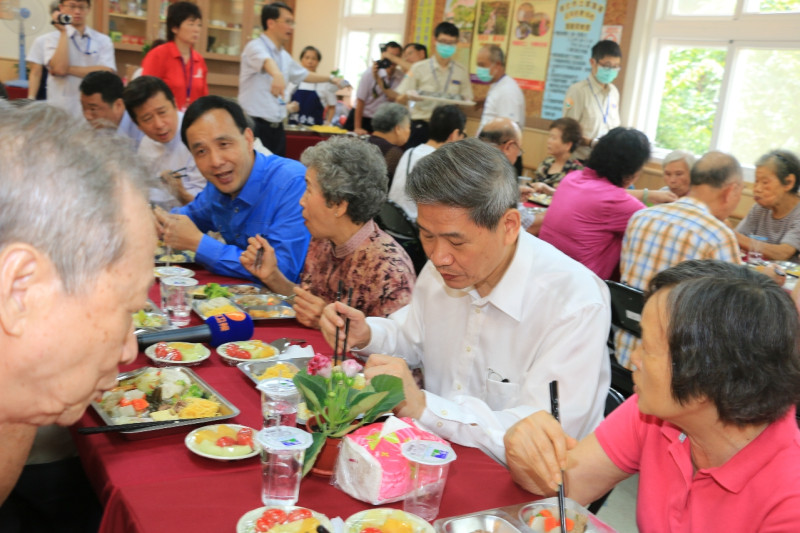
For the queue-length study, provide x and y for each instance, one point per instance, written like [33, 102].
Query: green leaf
[313, 451]
[393, 386]
[346, 430]
[313, 389]
[365, 402]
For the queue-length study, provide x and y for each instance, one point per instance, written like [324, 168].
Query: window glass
[390, 7]
[703, 7]
[773, 6]
[360, 7]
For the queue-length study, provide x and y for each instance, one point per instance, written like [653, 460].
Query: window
[365, 25]
[716, 74]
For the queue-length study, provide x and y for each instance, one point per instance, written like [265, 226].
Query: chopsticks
[336, 343]
[259, 255]
[347, 321]
[554, 411]
[127, 427]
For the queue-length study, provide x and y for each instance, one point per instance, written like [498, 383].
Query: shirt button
[235, 209]
[469, 348]
[458, 387]
[439, 424]
[237, 235]
[478, 311]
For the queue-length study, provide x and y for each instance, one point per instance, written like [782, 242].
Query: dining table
[154, 483]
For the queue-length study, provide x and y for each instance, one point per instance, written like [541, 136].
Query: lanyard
[88, 43]
[189, 75]
[599, 106]
[436, 77]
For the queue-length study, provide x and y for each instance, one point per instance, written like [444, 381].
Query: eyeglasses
[76, 7]
[288, 22]
[448, 41]
[607, 65]
[515, 143]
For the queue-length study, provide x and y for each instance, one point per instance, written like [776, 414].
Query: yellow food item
[214, 435]
[199, 408]
[395, 525]
[165, 414]
[279, 370]
[221, 310]
[327, 129]
[307, 525]
[257, 349]
[274, 313]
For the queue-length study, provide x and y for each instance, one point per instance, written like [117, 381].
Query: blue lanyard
[599, 106]
[190, 75]
[88, 44]
[436, 77]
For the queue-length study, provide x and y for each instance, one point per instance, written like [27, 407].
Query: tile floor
[619, 511]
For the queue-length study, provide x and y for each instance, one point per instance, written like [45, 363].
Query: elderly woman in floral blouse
[345, 187]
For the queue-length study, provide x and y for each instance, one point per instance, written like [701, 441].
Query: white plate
[360, 520]
[189, 441]
[170, 271]
[222, 350]
[150, 352]
[247, 523]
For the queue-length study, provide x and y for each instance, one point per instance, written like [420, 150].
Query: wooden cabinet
[228, 25]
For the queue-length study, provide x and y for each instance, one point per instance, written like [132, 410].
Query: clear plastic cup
[176, 299]
[282, 452]
[755, 255]
[278, 413]
[429, 463]
[279, 390]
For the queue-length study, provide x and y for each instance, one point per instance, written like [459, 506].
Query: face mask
[445, 51]
[606, 75]
[483, 74]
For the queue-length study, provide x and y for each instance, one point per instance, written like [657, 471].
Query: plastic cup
[282, 452]
[278, 413]
[176, 299]
[755, 255]
[279, 390]
[429, 462]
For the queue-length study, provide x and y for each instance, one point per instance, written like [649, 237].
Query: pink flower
[351, 367]
[320, 365]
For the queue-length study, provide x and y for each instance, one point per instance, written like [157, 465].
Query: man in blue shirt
[248, 194]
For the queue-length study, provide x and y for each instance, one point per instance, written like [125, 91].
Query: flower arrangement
[341, 401]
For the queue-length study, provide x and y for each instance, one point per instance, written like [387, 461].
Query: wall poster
[529, 42]
[462, 14]
[492, 24]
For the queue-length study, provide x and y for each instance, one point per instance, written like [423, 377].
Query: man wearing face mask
[594, 102]
[438, 75]
[505, 98]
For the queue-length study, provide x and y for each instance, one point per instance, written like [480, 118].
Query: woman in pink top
[711, 429]
[590, 208]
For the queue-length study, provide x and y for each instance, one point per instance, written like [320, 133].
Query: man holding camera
[375, 88]
[71, 52]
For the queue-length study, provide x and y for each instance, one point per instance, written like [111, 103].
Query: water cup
[279, 390]
[282, 452]
[755, 255]
[429, 462]
[176, 299]
[278, 413]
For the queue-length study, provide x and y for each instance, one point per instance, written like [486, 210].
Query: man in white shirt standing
[265, 70]
[594, 102]
[495, 316]
[505, 98]
[71, 52]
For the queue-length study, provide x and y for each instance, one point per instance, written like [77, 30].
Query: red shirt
[758, 489]
[165, 62]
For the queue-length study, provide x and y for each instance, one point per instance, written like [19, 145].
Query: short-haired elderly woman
[591, 208]
[345, 188]
[677, 167]
[711, 430]
[565, 137]
[391, 127]
[775, 217]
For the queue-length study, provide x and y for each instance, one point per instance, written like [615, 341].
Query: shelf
[125, 16]
[222, 57]
[129, 47]
[223, 28]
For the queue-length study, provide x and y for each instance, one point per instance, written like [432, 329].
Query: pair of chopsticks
[554, 411]
[259, 255]
[339, 294]
[128, 427]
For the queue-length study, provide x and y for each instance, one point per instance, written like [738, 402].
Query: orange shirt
[165, 62]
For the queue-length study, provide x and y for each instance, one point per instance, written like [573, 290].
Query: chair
[394, 221]
[613, 400]
[626, 313]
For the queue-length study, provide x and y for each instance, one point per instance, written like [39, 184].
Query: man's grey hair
[350, 169]
[388, 116]
[716, 169]
[679, 155]
[468, 174]
[496, 54]
[61, 190]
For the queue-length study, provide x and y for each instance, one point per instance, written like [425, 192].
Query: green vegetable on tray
[215, 290]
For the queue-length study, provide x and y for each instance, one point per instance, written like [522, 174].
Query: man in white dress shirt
[495, 316]
[505, 98]
[266, 68]
[103, 108]
[71, 52]
[151, 105]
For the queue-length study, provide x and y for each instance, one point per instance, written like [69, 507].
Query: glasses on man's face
[610, 65]
[288, 22]
[76, 7]
[515, 143]
[445, 40]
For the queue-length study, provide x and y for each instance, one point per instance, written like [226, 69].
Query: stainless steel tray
[493, 521]
[251, 369]
[152, 309]
[197, 306]
[227, 409]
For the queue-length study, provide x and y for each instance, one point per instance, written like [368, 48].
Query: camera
[62, 18]
[383, 62]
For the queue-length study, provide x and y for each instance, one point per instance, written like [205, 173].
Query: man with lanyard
[266, 67]
[72, 52]
[594, 102]
[377, 86]
[505, 98]
[438, 74]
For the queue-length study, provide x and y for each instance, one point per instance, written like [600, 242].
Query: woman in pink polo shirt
[711, 430]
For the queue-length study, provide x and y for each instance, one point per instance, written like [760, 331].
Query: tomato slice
[225, 441]
[244, 437]
[161, 349]
[173, 355]
[263, 525]
[371, 530]
[299, 514]
[275, 516]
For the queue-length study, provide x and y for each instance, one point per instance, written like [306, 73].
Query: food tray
[197, 306]
[494, 521]
[177, 257]
[251, 369]
[236, 289]
[541, 198]
[267, 303]
[227, 409]
[151, 309]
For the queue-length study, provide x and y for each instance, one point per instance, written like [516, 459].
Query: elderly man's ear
[27, 279]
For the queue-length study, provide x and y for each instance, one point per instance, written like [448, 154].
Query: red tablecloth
[298, 141]
[155, 484]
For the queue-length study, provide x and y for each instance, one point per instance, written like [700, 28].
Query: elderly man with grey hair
[505, 98]
[76, 260]
[391, 127]
[496, 314]
[676, 167]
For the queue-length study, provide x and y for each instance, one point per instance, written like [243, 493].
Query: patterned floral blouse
[371, 262]
[543, 174]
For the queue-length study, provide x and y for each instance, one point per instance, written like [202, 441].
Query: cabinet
[228, 25]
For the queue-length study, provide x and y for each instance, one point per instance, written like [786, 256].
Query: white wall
[318, 24]
[9, 47]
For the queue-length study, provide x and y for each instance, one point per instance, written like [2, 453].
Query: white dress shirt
[254, 82]
[504, 100]
[172, 155]
[489, 360]
[88, 50]
[397, 192]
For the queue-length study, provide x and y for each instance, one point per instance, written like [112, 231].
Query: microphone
[217, 330]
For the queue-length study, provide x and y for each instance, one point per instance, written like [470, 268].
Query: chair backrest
[394, 221]
[613, 400]
[626, 307]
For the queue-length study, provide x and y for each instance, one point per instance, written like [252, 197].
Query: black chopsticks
[128, 427]
[554, 411]
[336, 343]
